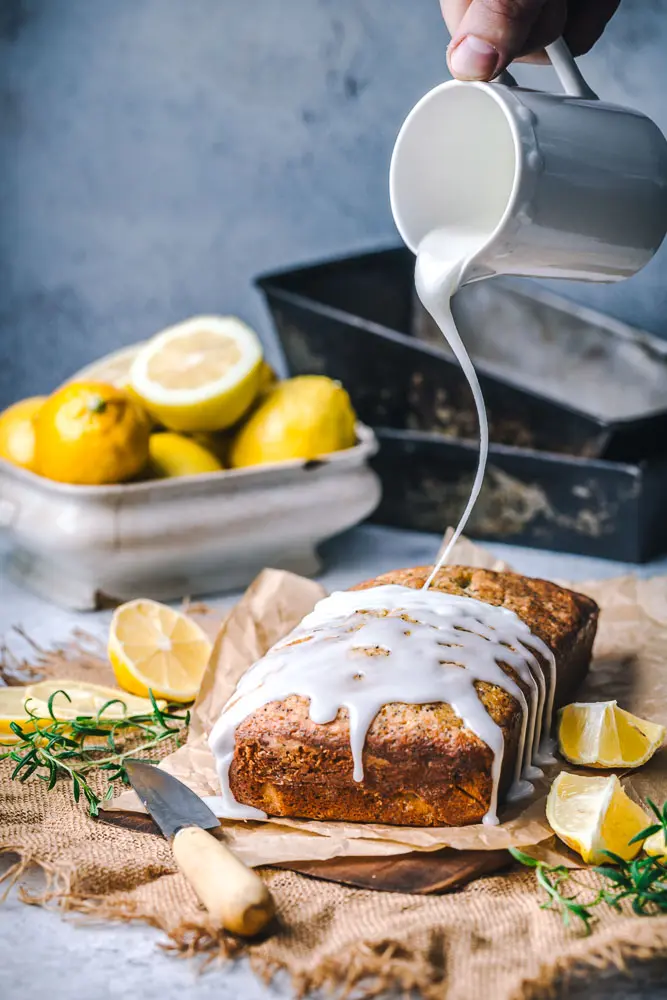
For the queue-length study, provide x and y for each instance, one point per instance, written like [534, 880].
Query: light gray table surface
[40, 952]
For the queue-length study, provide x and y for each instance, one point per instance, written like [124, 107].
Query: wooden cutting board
[420, 872]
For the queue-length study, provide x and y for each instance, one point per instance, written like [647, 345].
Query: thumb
[491, 34]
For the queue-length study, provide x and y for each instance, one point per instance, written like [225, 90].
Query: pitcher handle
[567, 71]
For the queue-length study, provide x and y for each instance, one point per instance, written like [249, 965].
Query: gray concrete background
[156, 154]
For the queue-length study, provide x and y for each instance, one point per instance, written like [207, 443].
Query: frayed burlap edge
[613, 950]
[368, 971]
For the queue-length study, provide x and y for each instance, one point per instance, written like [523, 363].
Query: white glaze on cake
[361, 650]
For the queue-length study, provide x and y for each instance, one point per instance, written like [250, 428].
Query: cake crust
[422, 766]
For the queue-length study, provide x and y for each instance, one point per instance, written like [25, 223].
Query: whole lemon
[91, 433]
[17, 432]
[176, 455]
[303, 417]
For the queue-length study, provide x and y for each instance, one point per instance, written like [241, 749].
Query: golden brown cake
[422, 766]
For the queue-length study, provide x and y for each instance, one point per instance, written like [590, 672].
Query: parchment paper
[630, 665]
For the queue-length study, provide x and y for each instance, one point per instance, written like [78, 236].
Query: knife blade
[234, 895]
[171, 803]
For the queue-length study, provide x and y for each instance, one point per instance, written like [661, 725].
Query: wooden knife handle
[234, 895]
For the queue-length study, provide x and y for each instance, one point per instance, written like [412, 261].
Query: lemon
[201, 375]
[218, 442]
[17, 432]
[304, 417]
[153, 646]
[655, 845]
[112, 368]
[175, 455]
[603, 735]
[592, 815]
[12, 709]
[91, 433]
[83, 698]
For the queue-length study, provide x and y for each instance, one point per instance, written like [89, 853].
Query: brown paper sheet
[630, 665]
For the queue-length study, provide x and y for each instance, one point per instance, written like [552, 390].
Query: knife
[234, 895]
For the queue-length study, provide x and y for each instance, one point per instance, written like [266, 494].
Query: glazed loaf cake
[421, 765]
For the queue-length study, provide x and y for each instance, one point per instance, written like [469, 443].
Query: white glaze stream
[363, 650]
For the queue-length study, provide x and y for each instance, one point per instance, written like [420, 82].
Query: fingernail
[473, 59]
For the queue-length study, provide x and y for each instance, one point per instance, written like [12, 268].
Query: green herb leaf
[70, 748]
[643, 834]
[51, 699]
[525, 859]
[641, 881]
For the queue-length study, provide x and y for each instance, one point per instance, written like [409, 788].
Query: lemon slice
[592, 815]
[85, 699]
[201, 375]
[12, 709]
[603, 735]
[153, 646]
[114, 369]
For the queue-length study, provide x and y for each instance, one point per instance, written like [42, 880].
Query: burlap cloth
[489, 939]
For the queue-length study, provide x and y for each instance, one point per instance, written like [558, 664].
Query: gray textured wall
[156, 154]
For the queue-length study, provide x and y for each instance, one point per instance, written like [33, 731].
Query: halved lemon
[112, 368]
[153, 646]
[201, 375]
[83, 698]
[601, 734]
[592, 815]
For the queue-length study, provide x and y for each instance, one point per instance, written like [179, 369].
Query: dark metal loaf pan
[591, 507]
[556, 377]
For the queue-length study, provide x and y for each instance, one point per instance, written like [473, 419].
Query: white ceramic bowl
[168, 539]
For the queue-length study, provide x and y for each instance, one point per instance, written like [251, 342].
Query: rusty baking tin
[577, 403]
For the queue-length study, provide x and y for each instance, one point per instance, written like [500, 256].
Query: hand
[487, 35]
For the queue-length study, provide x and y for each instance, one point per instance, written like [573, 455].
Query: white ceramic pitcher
[561, 185]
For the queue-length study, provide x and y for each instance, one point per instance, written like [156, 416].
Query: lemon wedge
[172, 455]
[151, 646]
[655, 845]
[201, 375]
[601, 734]
[83, 698]
[592, 815]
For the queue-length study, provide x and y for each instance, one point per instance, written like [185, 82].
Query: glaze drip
[361, 650]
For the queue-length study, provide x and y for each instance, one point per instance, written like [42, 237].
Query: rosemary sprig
[62, 747]
[643, 881]
[551, 878]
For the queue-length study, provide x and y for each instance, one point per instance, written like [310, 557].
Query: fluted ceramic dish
[80, 546]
